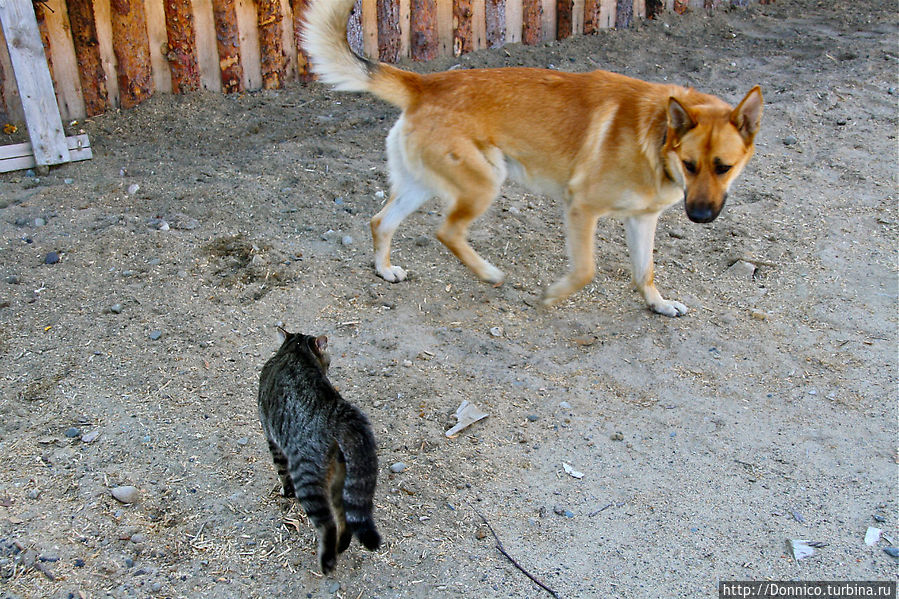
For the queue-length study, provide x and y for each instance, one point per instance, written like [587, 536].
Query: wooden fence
[117, 53]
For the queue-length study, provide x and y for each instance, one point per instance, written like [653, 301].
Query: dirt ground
[768, 413]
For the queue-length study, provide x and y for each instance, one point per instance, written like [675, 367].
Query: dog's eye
[690, 166]
[722, 168]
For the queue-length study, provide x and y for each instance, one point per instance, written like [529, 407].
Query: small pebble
[116, 308]
[133, 189]
[243, 441]
[422, 241]
[30, 173]
[533, 417]
[155, 334]
[878, 518]
[397, 467]
[68, 181]
[138, 537]
[407, 363]
[78, 563]
[129, 562]
[154, 261]
[90, 437]
[34, 494]
[39, 222]
[789, 140]
[891, 551]
[13, 280]
[126, 494]
[346, 240]
[73, 432]
[565, 405]
[333, 587]
[51, 258]
[559, 510]
[496, 331]
[617, 436]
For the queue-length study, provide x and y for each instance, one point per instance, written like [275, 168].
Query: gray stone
[39, 222]
[126, 493]
[741, 269]
[155, 334]
[51, 258]
[397, 467]
[116, 308]
[73, 432]
[346, 240]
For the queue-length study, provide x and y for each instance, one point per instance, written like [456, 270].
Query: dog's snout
[704, 212]
[701, 214]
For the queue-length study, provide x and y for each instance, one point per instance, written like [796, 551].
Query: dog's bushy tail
[324, 39]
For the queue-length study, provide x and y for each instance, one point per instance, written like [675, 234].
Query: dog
[608, 144]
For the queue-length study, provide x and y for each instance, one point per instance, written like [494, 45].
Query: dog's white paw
[392, 274]
[494, 276]
[669, 308]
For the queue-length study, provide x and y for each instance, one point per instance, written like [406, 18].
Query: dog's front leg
[640, 231]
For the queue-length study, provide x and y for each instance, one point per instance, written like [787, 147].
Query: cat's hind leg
[310, 486]
[280, 461]
[338, 474]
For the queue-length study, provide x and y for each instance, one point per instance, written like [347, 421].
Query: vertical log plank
[531, 21]
[132, 51]
[624, 14]
[495, 14]
[228, 43]
[370, 28]
[272, 58]
[354, 33]
[564, 17]
[389, 41]
[65, 71]
[304, 69]
[424, 42]
[462, 34]
[157, 43]
[87, 52]
[591, 16]
[445, 27]
[206, 45]
[181, 47]
[607, 10]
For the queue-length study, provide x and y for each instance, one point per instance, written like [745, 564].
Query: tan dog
[606, 143]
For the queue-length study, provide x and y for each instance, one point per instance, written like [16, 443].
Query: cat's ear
[321, 344]
[282, 334]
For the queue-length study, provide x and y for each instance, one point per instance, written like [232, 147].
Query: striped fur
[322, 446]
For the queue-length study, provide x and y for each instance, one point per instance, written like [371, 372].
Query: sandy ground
[768, 413]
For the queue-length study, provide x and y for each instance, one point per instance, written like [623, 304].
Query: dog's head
[707, 147]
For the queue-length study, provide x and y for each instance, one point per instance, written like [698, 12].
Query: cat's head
[317, 347]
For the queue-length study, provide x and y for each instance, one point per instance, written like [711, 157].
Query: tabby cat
[322, 445]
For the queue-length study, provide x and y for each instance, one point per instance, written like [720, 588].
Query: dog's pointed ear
[282, 334]
[747, 117]
[679, 119]
[321, 344]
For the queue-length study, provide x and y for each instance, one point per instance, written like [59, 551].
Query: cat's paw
[369, 538]
[344, 541]
[328, 561]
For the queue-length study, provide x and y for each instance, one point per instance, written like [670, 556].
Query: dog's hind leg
[477, 176]
[640, 231]
[580, 221]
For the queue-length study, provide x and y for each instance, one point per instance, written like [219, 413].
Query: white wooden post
[26, 52]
